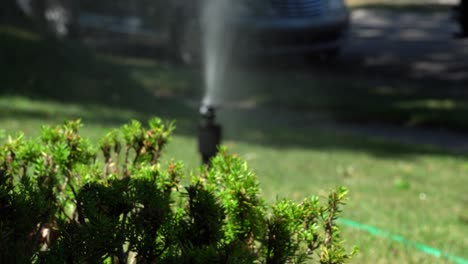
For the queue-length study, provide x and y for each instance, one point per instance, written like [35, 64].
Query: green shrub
[62, 200]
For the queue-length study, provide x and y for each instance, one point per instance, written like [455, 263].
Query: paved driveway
[418, 46]
[407, 44]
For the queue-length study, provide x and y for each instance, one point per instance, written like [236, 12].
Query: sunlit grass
[19, 33]
[444, 104]
[428, 208]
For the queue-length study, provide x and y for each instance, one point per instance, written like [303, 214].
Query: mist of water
[217, 47]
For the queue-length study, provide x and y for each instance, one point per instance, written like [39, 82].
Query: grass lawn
[416, 192]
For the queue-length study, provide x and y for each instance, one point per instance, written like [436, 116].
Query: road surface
[417, 45]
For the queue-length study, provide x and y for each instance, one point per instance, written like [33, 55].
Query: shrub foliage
[63, 200]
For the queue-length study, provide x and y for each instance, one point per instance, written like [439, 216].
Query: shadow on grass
[66, 72]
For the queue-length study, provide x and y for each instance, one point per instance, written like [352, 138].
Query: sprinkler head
[208, 112]
[209, 133]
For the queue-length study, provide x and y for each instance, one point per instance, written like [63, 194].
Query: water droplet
[422, 196]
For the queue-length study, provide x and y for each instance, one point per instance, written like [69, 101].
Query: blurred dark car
[269, 27]
[295, 26]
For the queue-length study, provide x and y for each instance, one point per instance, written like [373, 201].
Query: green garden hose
[421, 247]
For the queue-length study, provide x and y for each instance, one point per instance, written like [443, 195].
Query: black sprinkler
[209, 134]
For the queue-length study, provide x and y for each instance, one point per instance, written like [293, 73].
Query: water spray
[209, 133]
[216, 45]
